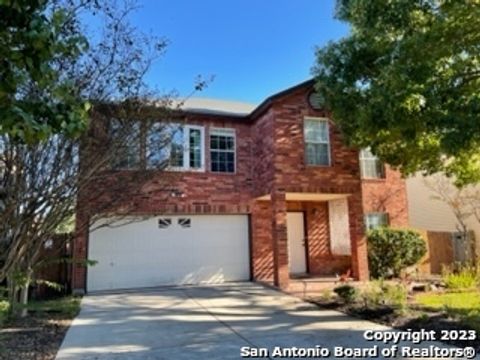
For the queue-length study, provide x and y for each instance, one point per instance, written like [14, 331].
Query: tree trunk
[24, 294]
[11, 293]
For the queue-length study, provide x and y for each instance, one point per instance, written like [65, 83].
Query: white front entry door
[296, 243]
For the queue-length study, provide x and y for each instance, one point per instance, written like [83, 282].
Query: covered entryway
[169, 250]
[298, 235]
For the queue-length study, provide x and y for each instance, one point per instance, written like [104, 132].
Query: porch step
[313, 286]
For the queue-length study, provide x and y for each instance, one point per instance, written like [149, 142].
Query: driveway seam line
[223, 322]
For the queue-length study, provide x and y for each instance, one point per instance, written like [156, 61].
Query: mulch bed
[429, 320]
[37, 337]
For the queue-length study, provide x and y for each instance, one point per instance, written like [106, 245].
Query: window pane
[316, 130]
[230, 143]
[370, 165]
[158, 145]
[195, 148]
[317, 154]
[176, 147]
[372, 168]
[214, 142]
[222, 153]
[125, 143]
[375, 220]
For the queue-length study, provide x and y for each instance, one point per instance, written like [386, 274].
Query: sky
[253, 48]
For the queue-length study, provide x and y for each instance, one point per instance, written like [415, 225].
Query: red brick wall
[262, 243]
[263, 153]
[149, 192]
[387, 195]
[342, 176]
[270, 159]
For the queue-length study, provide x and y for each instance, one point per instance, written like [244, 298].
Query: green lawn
[66, 306]
[462, 305]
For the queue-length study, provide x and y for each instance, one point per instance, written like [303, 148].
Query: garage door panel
[140, 254]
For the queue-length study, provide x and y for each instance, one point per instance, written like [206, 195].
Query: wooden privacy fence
[55, 268]
[444, 249]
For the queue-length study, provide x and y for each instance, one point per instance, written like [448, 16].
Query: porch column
[279, 236]
[358, 239]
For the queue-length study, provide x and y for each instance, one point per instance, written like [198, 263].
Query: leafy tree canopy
[35, 99]
[406, 82]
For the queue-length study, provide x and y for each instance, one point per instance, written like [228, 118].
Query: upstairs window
[222, 150]
[125, 143]
[317, 141]
[176, 146]
[374, 220]
[371, 167]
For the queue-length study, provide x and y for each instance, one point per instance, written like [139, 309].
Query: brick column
[279, 236]
[358, 239]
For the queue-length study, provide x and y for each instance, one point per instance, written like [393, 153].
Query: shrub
[379, 293]
[4, 311]
[347, 292]
[392, 250]
[462, 278]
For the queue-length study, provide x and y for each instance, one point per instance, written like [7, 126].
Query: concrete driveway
[209, 322]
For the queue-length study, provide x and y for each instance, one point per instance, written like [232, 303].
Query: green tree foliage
[391, 250]
[35, 100]
[406, 82]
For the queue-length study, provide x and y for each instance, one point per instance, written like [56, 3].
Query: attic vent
[184, 222]
[164, 223]
[315, 100]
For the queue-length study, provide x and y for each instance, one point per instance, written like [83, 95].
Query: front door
[296, 243]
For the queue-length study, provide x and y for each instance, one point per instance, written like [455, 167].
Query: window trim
[223, 132]
[329, 147]
[186, 149]
[362, 158]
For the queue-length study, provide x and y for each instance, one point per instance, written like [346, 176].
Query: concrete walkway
[212, 322]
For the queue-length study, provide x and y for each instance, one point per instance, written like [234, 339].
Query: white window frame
[186, 148]
[327, 142]
[371, 157]
[224, 132]
[368, 223]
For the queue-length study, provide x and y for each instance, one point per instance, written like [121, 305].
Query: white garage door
[169, 250]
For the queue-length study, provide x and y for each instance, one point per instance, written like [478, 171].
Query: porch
[297, 237]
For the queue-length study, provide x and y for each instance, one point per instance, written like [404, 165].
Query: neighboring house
[266, 193]
[428, 212]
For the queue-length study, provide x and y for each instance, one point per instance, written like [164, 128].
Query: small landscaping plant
[392, 250]
[380, 293]
[347, 293]
[4, 311]
[460, 277]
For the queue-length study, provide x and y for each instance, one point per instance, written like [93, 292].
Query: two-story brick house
[262, 195]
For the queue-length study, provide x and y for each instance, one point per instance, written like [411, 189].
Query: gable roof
[240, 110]
[217, 107]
